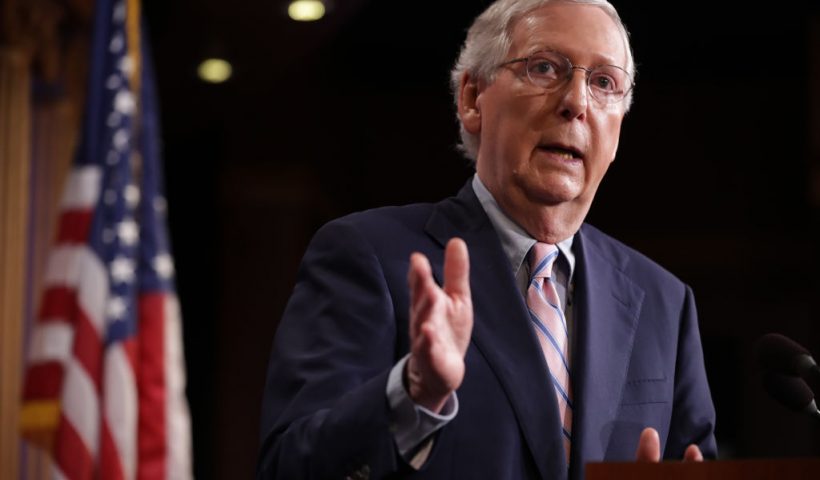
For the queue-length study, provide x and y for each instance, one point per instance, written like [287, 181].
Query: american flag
[105, 383]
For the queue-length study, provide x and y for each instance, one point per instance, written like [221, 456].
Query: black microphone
[781, 354]
[791, 392]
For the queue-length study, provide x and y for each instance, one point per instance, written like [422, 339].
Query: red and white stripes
[122, 412]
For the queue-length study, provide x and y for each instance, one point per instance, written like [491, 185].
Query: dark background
[717, 177]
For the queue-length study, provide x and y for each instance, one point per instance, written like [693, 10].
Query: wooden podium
[784, 469]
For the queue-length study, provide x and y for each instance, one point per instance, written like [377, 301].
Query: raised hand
[441, 321]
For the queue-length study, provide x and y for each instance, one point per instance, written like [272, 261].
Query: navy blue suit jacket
[637, 359]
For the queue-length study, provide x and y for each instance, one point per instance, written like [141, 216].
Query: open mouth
[567, 153]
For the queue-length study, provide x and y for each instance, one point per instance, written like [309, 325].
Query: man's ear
[469, 104]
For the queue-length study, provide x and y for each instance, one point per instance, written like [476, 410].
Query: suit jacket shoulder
[627, 259]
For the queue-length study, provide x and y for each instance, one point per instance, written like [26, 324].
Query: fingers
[422, 285]
[457, 269]
[649, 446]
[692, 454]
[440, 327]
[424, 291]
[419, 273]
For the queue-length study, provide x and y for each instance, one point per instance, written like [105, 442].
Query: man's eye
[604, 82]
[542, 68]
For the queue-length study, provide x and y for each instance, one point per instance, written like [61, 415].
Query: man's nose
[575, 99]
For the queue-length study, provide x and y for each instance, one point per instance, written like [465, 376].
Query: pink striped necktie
[551, 329]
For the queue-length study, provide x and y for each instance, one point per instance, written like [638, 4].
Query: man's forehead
[574, 29]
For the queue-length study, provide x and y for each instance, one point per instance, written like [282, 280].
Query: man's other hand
[649, 448]
[441, 322]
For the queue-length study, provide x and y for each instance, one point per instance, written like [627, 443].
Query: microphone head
[792, 392]
[782, 354]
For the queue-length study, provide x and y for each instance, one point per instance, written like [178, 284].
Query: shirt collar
[515, 241]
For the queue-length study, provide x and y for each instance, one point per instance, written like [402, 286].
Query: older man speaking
[548, 345]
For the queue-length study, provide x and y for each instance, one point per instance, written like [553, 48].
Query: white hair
[488, 43]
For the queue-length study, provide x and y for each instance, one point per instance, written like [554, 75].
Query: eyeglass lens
[550, 70]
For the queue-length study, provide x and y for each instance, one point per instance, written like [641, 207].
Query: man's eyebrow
[602, 58]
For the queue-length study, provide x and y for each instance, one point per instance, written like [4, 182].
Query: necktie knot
[542, 258]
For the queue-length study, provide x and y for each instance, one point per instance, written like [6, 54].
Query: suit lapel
[607, 307]
[502, 331]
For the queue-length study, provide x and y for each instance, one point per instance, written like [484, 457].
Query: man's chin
[556, 192]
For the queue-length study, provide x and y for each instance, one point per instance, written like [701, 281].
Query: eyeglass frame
[568, 77]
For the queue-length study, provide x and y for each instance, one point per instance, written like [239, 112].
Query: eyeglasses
[550, 70]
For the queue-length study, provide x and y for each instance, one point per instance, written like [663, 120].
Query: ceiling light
[306, 10]
[214, 70]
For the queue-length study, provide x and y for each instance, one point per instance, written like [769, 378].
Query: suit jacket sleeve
[325, 413]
